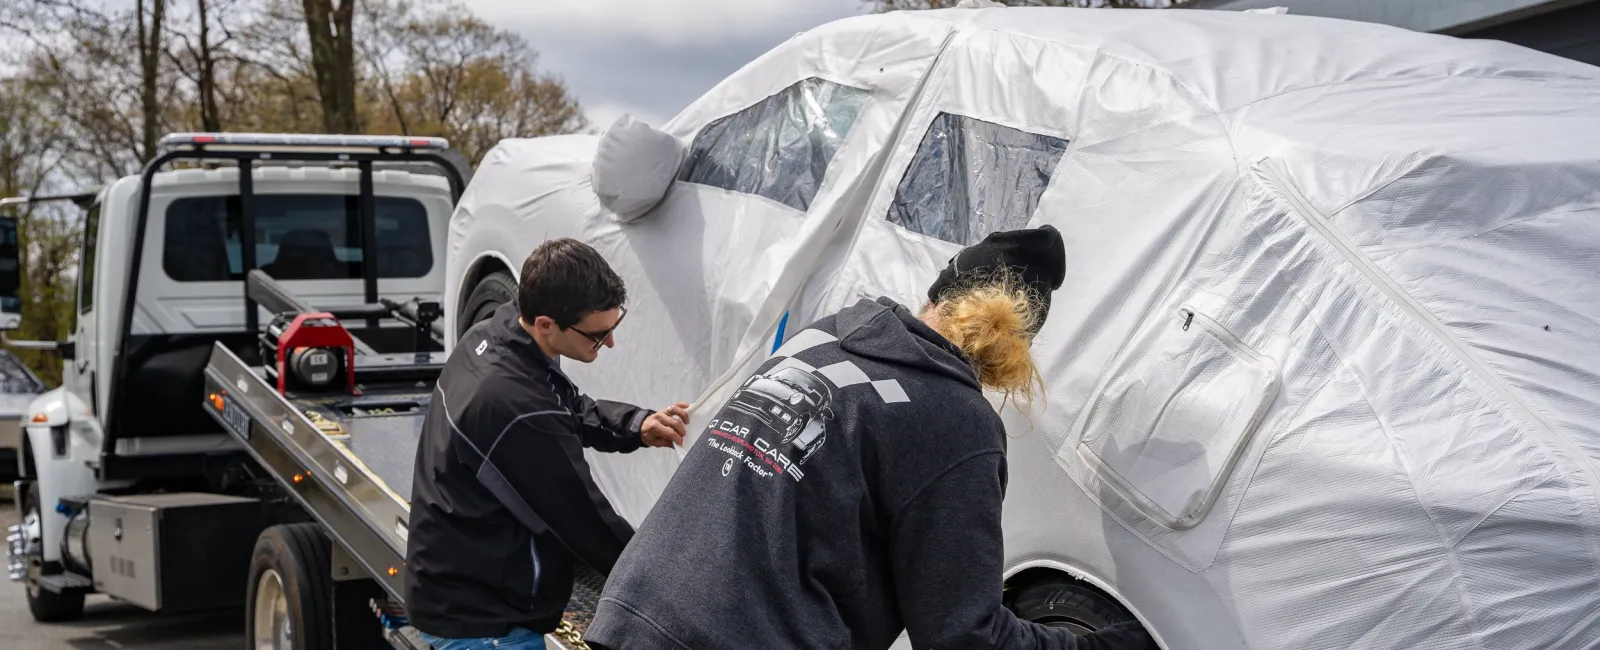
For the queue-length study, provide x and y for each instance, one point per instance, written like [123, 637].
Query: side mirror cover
[634, 166]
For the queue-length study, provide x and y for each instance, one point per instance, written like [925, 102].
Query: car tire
[493, 290]
[289, 605]
[47, 606]
[794, 430]
[1066, 603]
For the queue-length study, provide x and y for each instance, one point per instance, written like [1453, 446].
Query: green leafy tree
[47, 234]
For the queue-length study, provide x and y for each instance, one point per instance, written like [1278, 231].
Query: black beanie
[1036, 256]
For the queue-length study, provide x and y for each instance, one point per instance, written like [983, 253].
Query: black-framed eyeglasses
[599, 338]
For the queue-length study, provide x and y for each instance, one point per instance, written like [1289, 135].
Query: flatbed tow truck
[345, 450]
[225, 437]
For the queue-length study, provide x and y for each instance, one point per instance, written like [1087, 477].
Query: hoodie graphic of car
[792, 403]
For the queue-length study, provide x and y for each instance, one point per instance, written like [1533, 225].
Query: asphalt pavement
[108, 623]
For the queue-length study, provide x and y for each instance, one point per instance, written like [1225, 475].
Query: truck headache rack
[246, 151]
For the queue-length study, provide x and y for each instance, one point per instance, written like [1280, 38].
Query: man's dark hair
[567, 280]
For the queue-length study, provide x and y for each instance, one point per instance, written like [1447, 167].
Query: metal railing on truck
[246, 151]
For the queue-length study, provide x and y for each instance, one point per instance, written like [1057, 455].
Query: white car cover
[1324, 372]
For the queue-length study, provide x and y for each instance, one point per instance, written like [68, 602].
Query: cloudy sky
[652, 57]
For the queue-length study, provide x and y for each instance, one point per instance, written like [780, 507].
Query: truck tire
[493, 290]
[289, 605]
[1067, 603]
[46, 606]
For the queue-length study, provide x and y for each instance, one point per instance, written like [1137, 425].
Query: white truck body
[171, 307]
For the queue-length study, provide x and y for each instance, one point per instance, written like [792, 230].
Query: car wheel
[289, 605]
[492, 291]
[1067, 603]
[794, 430]
[46, 606]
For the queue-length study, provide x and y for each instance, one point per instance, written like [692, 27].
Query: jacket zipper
[1422, 316]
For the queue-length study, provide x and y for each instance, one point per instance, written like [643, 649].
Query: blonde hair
[992, 323]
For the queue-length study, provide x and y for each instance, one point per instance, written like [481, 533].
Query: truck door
[79, 374]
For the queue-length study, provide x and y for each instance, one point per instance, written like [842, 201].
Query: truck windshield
[298, 237]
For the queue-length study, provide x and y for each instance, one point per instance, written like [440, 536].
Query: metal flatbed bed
[348, 459]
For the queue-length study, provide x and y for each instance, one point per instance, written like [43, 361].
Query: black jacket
[502, 501]
[850, 490]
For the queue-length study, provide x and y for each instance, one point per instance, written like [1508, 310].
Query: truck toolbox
[175, 551]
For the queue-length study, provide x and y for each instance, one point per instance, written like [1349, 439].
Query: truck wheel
[492, 291]
[290, 602]
[46, 606]
[1066, 603]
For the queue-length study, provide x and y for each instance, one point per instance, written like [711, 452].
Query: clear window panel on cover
[970, 178]
[781, 147]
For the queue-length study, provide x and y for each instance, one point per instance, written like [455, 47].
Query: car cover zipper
[1273, 170]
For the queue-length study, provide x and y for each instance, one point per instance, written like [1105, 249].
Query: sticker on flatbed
[400, 529]
[244, 387]
[339, 473]
[288, 427]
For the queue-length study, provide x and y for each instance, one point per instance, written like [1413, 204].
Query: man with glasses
[502, 501]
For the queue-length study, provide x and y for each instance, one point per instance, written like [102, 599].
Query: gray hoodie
[850, 489]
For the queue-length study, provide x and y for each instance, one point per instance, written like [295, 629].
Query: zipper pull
[1188, 317]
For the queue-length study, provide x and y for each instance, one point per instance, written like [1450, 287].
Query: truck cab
[164, 258]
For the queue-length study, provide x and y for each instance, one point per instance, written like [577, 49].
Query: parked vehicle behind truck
[18, 384]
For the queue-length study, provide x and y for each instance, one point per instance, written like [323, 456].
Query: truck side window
[91, 235]
[780, 148]
[970, 178]
[298, 237]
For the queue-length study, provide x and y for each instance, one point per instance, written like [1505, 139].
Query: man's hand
[665, 428]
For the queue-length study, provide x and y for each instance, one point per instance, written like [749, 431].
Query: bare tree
[459, 77]
[332, 36]
[198, 62]
[47, 236]
[150, 55]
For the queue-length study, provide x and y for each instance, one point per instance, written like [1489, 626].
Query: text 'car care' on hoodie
[850, 490]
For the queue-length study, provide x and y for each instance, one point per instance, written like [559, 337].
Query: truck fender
[64, 439]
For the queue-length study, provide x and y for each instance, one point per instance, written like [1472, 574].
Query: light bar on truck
[300, 141]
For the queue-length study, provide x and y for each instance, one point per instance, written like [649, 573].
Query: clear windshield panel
[781, 147]
[970, 178]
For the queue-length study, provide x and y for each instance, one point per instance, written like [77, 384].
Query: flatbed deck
[348, 460]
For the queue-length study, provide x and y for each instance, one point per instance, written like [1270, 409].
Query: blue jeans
[518, 639]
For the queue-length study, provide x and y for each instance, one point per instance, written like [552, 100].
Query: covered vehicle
[1324, 371]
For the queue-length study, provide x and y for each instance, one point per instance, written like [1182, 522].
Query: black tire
[493, 290]
[1066, 603]
[793, 431]
[297, 555]
[47, 606]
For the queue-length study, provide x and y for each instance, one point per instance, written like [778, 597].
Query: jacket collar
[509, 333]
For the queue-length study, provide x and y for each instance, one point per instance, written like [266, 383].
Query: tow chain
[569, 636]
[322, 423]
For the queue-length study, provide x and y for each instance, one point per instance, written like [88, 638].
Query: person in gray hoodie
[851, 489]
